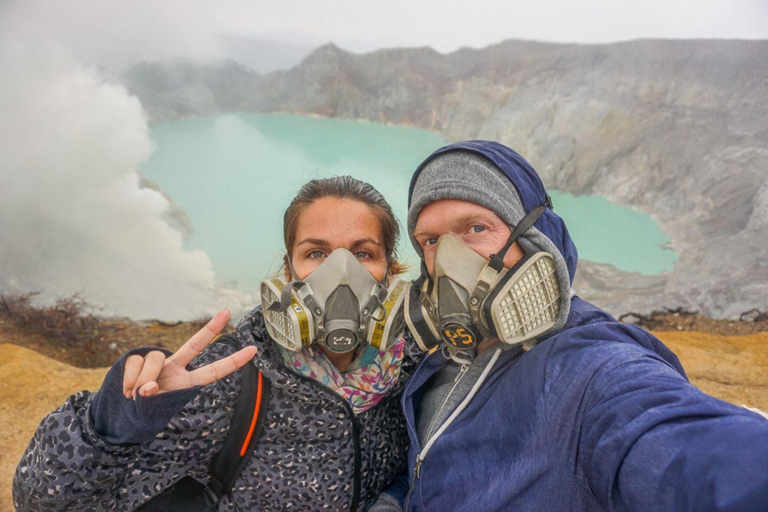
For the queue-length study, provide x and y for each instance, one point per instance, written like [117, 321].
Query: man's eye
[477, 228]
[361, 255]
[315, 255]
[428, 242]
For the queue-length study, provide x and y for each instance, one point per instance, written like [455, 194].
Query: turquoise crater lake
[234, 175]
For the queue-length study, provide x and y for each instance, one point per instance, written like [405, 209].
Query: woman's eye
[428, 242]
[477, 228]
[315, 255]
[361, 255]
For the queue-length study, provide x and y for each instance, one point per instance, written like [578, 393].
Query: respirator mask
[340, 305]
[470, 298]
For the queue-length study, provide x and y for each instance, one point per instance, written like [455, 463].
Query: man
[534, 399]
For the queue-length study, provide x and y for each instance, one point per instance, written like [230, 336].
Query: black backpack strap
[189, 495]
[244, 429]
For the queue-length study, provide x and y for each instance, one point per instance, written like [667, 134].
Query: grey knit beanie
[470, 177]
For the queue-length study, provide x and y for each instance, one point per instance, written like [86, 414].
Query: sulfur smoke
[73, 216]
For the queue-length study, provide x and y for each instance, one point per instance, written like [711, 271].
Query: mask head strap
[285, 296]
[297, 284]
[285, 299]
[497, 260]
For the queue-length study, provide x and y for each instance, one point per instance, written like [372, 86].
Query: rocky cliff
[676, 129]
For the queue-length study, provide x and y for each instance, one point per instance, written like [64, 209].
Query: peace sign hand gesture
[155, 373]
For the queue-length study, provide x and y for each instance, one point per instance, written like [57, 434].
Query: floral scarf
[367, 380]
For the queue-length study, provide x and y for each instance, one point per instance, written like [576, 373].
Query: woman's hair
[345, 187]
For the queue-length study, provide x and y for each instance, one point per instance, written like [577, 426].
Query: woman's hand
[155, 373]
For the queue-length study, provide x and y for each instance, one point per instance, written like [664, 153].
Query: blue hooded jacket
[599, 416]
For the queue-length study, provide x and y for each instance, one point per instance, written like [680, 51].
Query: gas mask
[470, 298]
[340, 305]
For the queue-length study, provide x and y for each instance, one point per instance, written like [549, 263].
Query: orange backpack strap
[244, 430]
[189, 495]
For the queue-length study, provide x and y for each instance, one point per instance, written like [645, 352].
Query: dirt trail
[733, 368]
[31, 386]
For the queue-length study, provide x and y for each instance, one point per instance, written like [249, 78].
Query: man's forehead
[450, 212]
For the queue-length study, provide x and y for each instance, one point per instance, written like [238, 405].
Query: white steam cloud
[118, 33]
[73, 217]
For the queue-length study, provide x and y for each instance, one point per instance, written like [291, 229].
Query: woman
[333, 435]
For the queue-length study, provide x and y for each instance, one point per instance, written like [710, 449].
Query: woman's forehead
[339, 222]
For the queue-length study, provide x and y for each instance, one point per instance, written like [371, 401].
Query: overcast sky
[449, 24]
[116, 33]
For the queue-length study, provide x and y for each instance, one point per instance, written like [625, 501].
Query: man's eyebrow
[314, 241]
[419, 232]
[460, 221]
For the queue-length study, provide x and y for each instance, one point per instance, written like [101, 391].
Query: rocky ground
[728, 359]
[115, 337]
[31, 386]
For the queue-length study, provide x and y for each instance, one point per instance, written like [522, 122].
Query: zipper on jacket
[355, 433]
[417, 467]
[412, 483]
[456, 381]
[419, 459]
[421, 456]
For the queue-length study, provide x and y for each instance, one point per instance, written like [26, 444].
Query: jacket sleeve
[69, 465]
[649, 440]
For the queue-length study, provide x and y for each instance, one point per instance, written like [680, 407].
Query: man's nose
[430, 262]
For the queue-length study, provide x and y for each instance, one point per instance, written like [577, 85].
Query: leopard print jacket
[313, 454]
